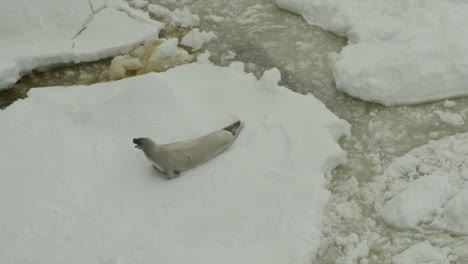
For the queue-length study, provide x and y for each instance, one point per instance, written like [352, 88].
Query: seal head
[137, 142]
[141, 143]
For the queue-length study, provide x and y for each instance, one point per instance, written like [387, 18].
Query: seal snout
[137, 142]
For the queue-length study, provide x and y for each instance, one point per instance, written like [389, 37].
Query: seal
[176, 157]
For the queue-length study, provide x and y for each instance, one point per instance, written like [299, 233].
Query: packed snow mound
[399, 52]
[428, 187]
[42, 33]
[73, 188]
[423, 253]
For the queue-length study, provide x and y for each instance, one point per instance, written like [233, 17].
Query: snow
[121, 64]
[184, 18]
[399, 52]
[179, 17]
[113, 22]
[37, 34]
[450, 118]
[423, 253]
[195, 39]
[428, 187]
[214, 18]
[140, 3]
[73, 189]
[455, 214]
[448, 103]
[354, 249]
[158, 10]
[349, 210]
[417, 203]
[166, 49]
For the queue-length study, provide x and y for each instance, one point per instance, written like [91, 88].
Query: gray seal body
[176, 157]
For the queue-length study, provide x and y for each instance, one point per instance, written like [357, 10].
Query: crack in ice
[90, 18]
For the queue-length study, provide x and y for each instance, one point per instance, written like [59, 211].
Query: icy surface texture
[427, 186]
[87, 195]
[399, 52]
[423, 253]
[43, 33]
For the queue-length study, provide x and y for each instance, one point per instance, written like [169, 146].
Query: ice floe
[74, 190]
[427, 187]
[42, 33]
[399, 52]
[423, 253]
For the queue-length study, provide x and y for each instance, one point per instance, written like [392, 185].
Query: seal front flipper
[171, 174]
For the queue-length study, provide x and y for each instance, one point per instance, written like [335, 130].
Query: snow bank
[43, 33]
[399, 52]
[428, 187]
[423, 253]
[73, 189]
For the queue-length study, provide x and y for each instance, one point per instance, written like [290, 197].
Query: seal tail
[235, 128]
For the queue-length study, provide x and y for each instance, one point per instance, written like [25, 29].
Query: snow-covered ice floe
[429, 187]
[423, 253]
[73, 189]
[42, 33]
[399, 52]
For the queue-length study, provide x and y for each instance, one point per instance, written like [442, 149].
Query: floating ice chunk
[179, 17]
[399, 52]
[169, 54]
[349, 240]
[440, 168]
[423, 253]
[448, 103]
[418, 203]
[455, 214]
[349, 210]
[140, 3]
[184, 18]
[354, 249]
[450, 118]
[216, 19]
[120, 65]
[195, 39]
[158, 10]
[167, 49]
[80, 31]
[226, 57]
[154, 56]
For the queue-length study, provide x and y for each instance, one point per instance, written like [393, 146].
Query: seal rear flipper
[234, 128]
